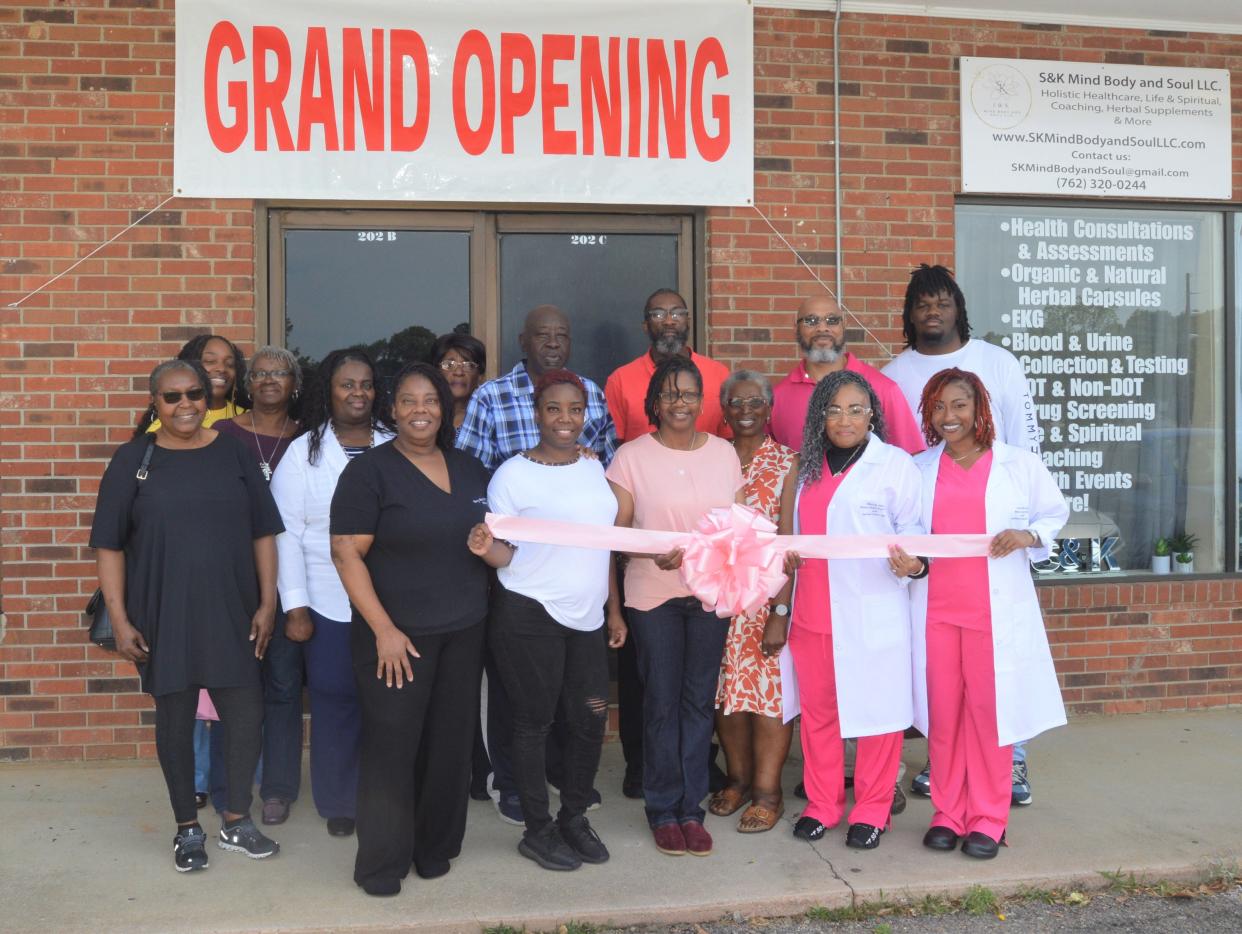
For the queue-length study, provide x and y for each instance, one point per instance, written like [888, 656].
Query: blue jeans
[336, 722]
[679, 647]
[279, 774]
[1019, 751]
[202, 756]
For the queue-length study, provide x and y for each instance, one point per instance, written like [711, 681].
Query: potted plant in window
[1160, 556]
[1183, 547]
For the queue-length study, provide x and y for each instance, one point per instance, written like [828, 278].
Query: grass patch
[504, 929]
[579, 927]
[980, 901]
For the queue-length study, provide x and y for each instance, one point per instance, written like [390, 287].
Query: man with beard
[937, 336]
[666, 319]
[821, 335]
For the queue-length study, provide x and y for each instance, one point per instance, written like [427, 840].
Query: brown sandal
[727, 801]
[759, 818]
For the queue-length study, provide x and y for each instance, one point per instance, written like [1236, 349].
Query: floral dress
[750, 682]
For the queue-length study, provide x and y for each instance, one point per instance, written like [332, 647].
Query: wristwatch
[781, 609]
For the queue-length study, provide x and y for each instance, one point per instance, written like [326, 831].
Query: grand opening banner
[607, 102]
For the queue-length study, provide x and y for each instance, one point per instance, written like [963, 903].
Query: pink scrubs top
[812, 608]
[957, 588]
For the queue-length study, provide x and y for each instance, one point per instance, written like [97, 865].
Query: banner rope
[824, 285]
[81, 260]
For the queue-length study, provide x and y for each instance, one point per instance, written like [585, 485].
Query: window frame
[1231, 218]
[485, 224]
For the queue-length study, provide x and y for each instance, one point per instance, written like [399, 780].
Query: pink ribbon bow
[732, 562]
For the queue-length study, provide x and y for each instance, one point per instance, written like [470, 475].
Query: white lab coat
[303, 492]
[1021, 494]
[870, 605]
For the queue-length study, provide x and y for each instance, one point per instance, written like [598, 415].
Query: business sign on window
[1117, 317]
[606, 102]
[1077, 128]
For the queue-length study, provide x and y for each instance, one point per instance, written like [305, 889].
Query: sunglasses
[814, 321]
[197, 394]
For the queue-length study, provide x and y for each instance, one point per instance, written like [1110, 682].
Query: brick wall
[86, 110]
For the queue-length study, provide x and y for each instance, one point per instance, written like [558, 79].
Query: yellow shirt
[230, 410]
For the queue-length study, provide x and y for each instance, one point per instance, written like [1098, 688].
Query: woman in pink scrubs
[849, 635]
[973, 483]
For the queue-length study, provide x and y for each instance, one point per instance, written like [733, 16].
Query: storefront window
[1117, 316]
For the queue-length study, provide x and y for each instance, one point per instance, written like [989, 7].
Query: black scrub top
[424, 575]
[188, 534]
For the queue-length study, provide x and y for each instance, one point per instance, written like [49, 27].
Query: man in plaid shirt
[500, 419]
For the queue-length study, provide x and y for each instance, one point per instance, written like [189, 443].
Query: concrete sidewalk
[88, 848]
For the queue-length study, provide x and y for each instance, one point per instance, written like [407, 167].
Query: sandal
[727, 801]
[759, 818]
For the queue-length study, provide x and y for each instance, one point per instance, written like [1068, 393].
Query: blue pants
[679, 647]
[280, 768]
[336, 724]
[202, 756]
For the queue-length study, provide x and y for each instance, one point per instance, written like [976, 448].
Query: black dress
[188, 535]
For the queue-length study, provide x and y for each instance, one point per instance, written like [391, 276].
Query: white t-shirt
[571, 583]
[1002, 375]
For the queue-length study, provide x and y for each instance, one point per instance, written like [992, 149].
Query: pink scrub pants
[971, 772]
[823, 752]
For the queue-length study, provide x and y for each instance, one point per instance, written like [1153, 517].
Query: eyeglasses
[814, 321]
[466, 366]
[685, 395]
[197, 394]
[752, 403]
[659, 314]
[854, 413]
[258, 375]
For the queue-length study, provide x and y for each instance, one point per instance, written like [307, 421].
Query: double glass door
[392, 281]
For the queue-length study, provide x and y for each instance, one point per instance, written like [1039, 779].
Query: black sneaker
[863, 837]
[899, 800]
[1021, 785]
[549, 849]
[244, 837]
[583, 840]
[921, 783]
[190, 849]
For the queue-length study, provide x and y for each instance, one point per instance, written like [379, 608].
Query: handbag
[97, 608]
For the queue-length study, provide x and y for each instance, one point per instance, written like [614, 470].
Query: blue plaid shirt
[500, 420]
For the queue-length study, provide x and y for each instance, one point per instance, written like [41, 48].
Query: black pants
[241, 709]
[544, 665]
[414, 764]
[630, 708]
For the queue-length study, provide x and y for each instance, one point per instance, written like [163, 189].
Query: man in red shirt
[666, 319]
[821, 335]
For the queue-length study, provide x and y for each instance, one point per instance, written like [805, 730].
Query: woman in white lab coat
[849, 631]
[984, 677]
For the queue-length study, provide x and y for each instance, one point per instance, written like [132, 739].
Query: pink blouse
[957, 588]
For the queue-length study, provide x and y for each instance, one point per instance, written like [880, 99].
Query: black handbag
[96, 608]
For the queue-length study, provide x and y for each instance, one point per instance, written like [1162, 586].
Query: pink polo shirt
[957, 588]
[793, 394]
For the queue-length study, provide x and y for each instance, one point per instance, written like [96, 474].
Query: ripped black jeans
[543, 664]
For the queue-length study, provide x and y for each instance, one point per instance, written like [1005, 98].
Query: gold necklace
[958, 460]
[848, 461]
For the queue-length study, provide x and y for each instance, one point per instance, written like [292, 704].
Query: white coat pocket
[885, 621]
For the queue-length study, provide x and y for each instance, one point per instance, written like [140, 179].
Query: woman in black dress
[400, 517]
[169, 500]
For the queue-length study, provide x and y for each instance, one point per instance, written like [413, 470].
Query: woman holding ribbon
[849, 633]
[749, 710]
[984, 677]
[545, 623]
[668, 480]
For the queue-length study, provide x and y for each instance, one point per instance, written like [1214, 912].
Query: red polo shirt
[793, 394]
[626, 390]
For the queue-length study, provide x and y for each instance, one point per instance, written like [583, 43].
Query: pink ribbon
[733, 559]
